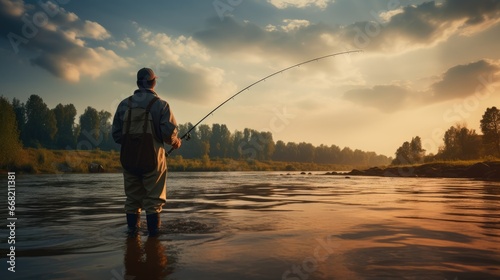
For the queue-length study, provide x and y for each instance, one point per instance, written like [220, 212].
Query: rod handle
[167, 153]
[186, 136]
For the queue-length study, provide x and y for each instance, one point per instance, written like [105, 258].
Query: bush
[9, 135]
[290, 168]
[41, 156]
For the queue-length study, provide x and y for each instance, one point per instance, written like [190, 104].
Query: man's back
[145, 186]
[164, 123]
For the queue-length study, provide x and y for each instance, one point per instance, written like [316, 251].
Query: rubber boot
[133, 222]
[153, 224]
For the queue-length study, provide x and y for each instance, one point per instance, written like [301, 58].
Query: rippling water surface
[258, 225]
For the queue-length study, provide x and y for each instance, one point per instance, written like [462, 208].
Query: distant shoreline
[44, 161]
[484, 170]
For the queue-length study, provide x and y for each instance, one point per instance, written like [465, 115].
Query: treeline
[34, 124]
[218, 142]
[41, 127]
[460, 143]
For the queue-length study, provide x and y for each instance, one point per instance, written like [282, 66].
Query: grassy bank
[63, 161]
[179, 164]
[478, 169]
[43, 161]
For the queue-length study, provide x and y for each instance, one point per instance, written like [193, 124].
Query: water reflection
[418, 253]
[259, 226]
[145, 261]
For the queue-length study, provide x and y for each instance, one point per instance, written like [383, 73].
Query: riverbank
[44, 161]
[461, 169]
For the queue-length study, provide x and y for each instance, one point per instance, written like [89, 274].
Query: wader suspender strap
[129, 116]
[145, 125]
[146, 119]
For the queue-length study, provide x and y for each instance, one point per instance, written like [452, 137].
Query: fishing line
[187, 135]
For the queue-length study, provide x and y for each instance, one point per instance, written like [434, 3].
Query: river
[256, 225]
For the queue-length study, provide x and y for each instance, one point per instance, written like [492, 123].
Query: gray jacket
[164, 121]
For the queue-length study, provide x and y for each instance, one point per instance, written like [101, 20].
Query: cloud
[173, 50]
[180, 68]
[395, 29]
[463, 80]
[93, 30]
[292, 41]
[289, 25]
[91, 62]
[209, 82]
[229, 34]
[459, 81]
[124, 44]
[283, 4]
[294, 24]
[57, 39]
[14, 8]
[405, 28]
[386, 98]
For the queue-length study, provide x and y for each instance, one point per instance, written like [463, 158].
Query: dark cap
[145, 74]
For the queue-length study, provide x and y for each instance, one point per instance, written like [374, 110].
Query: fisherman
[145, 190]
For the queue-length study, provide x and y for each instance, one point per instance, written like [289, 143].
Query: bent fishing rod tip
[263, 80]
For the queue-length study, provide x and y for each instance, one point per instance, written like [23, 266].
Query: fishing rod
[188, 136]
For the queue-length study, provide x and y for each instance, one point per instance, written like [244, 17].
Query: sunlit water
[258, 225]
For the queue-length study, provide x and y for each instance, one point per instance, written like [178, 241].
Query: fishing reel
[188, 136]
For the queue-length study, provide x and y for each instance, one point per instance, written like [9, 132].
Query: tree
[220, 141]
[292, 152]
[410, 152]
[193, 147]
[90, 135]
[403, 154]
[107, 142]
[416, 152]
[470, 143]
[490, 126]
[334, 155]
[360, 158]
[237, 139]
[65, 118]
[9, 133]
[306, 152]
[215, 141]
[104, 121]
[269, 147]
[205, 133]
[247, 146]
[41, 124]
[256, 145]
[280, 152]
[225, 141]
[460, 143]
[346, 155]
[20, 111]
[324, 154]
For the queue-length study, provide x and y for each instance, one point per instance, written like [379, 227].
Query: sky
[424, 67]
